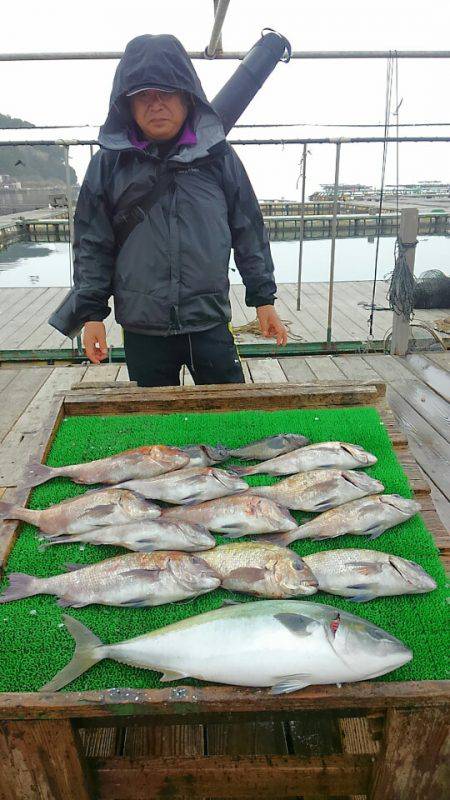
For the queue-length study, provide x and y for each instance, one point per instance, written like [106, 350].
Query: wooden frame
[41, 753]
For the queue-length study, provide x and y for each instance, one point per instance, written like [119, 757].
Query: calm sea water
[47, 264]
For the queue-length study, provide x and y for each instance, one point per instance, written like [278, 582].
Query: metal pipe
[302, 228]
[237, 55]
[340, 140]
[220, 10]
[333, 241]
[256, 125]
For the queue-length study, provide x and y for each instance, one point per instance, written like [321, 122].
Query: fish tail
[281, 539]
[37, 473]
[89, 649]
[11, 511]
[20, 586]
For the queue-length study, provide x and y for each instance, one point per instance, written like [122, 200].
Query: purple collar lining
[188, 137]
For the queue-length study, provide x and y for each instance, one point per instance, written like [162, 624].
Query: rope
[255, 330]
[401, 291]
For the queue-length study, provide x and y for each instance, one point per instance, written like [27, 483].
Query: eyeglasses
[150, 96]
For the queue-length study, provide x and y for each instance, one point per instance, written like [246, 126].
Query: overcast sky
[302, 91]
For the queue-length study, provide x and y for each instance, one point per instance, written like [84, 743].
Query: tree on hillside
[33, 163]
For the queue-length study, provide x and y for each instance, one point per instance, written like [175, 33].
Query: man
[163, 202]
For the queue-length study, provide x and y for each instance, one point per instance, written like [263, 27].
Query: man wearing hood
[163, 202]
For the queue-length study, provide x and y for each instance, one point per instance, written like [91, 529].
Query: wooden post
[409, 225]
[42, 759]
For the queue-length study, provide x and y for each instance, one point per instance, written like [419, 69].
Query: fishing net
[432, 290]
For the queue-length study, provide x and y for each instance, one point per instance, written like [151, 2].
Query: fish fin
[234, 470]
[375, 531]
[150, 575]
[74, 567]
[64, 602]
[135, 602]
[20, 585]
[251, 574]
[171, 675]
[232, 531]
[88, 650]
[46, 540]
[365, 592]
[282, 539]
[37, 473]
[321, 538]
[296, 623]
[99, 512]
[325, 505]
[229, 602]
[291, 683]
[366, 567]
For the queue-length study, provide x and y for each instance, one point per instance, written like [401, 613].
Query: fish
[131, 581]
[321, 455]
[203, 455]
[282, 644]
[142, 462]
[142, 536]
[320, 489]
[271, 446]
[192, 484]
[261, 569]
[236, 515]
[89, 510]
[363, 575]
[369, 516]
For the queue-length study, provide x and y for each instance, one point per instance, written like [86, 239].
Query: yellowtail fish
[282, 644]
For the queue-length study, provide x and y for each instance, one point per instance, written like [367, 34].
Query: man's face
[159, 115]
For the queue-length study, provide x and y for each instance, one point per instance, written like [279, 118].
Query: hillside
[43, 164]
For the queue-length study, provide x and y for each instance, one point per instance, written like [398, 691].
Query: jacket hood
[160, 61]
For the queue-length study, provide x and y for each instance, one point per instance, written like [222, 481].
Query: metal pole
[220, 8]
[70, 215]
[304, 140]
[302, 228]
[237, 55]
[333, 242]
[91, 148]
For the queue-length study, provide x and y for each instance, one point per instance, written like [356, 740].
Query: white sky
[302, 91]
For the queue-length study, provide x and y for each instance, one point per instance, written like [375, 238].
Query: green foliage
[45, 163]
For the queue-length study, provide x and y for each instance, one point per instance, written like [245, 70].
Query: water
[47, 264]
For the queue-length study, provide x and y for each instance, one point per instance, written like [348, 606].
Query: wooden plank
[431, 374]
[20, 392]
[414, 760]
[42, 760]
[100, 742]
[163, 740]
[229, 397]
[430, 449]
[19, 444]
[315, 734]
[354, 367]
[324, 368]
[246, 371]
[212, 703]
[14, 332]
[428, 404]
[123, 375]
[266, 370]
[297, 370]
[216, 776]
[441, 359]
[40, 329]
[100, 373]
[22, 305]
[6, 376]
[390, 368]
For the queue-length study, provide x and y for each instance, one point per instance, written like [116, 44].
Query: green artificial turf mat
[34, 643]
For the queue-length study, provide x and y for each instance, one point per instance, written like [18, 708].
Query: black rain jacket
[171, 273]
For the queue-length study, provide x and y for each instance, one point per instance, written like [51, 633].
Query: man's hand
[271, 325]
[94, 340]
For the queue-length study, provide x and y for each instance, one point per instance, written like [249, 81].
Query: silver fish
[364, 575]
[236, 516]
[321, 455]
[369, 516]
[143, 536]
[89, 510]
[142, 462]
[192, 484]
[203, 455]
[284, 644]
[271, 446]
[320, 489]
[262, 569]
[131, 581]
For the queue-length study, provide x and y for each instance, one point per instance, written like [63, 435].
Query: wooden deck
[419, 395]
[24, 314]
